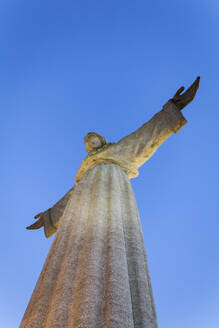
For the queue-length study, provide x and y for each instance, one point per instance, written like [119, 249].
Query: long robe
[96, 273]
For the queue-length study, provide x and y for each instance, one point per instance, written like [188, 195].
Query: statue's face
[92, 142]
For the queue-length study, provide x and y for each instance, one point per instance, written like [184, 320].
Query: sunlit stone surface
[96, 273]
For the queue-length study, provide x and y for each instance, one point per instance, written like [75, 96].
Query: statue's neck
[98, 150]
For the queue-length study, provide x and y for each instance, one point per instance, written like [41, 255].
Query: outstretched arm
[140, 145]
[50, 219]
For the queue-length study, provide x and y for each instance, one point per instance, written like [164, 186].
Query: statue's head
[93, 141]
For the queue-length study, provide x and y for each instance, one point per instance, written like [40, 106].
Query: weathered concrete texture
[96, 273]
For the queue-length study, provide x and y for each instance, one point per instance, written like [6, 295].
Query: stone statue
[96, 273]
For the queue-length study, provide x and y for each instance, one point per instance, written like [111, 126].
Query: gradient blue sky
[69, 67]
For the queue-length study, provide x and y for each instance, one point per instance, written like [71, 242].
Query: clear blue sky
[69, 67]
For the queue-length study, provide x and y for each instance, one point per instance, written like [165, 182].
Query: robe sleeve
[53, 215]
[140, 145]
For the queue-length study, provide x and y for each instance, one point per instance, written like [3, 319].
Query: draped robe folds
[96, 273]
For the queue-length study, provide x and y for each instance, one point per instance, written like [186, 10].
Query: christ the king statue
[96, 273]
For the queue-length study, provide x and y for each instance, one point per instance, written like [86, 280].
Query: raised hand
[182, 100]
[38, 224]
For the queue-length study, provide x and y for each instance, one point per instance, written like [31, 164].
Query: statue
[96, 273]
